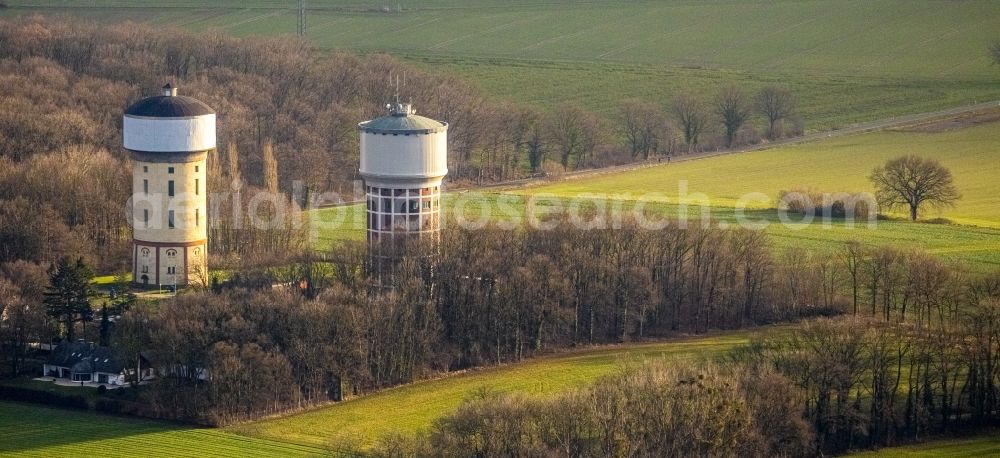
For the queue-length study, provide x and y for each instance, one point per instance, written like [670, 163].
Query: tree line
[493, 296]
[826, 387]
[488, 296]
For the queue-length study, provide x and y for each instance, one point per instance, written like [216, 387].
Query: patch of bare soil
[961, 121]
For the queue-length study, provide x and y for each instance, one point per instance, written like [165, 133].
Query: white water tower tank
[404, 158]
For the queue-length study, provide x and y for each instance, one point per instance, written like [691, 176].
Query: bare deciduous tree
[215, 181]
[853, 256]
[733, 109]
[776, 104]
[574, 133]
[233, 161]
[643, 126]
[692, 116]
[912, 181]
[270, 167]
[532, 139]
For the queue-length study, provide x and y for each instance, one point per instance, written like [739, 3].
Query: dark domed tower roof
[169, 105]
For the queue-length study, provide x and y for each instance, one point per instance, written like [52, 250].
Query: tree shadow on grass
[40, 430]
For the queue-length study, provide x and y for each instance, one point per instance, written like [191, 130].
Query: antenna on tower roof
[398, 108]
[408, 99]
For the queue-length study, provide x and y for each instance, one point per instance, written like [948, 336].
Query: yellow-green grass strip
[414, 407]
[987, 445]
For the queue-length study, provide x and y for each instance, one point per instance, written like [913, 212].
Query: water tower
[404, 158]
[169, 137]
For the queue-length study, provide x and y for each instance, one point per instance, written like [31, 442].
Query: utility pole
[301, 30]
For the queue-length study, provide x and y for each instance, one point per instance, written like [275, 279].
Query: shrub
[747, 135]
[833, 204]
[733, 410]
[552, 169]
[109, 406]
[21, 394]
[797, 128]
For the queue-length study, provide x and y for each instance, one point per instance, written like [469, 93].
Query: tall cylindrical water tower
[169, 137]
[404, 158]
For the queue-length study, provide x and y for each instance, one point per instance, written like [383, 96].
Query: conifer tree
[68, 296]
[105, 327]
[122, 296]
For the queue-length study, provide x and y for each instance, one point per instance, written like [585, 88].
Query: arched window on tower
[144, 252]
[171, 253]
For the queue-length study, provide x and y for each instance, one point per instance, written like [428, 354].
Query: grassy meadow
[36, 431]
[413, 407]
[846, 61]
[841, 164]
[978, 446]
[922, 38]
[716, 184]
[31, 430]
[975, 248]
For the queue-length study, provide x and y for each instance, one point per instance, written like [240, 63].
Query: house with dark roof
[88, 363]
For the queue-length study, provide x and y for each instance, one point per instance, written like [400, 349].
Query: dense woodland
[287, 113]
[489, 296]
[921, 355]
[917, 354]
[830, 386]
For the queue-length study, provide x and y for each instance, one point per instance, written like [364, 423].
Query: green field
[846, 60]
[409, 408]
[972, 247]
[980, 446]
[841, 164]
[41, 431]
[35, 431]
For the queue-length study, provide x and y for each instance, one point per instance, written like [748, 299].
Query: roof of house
[85, 357]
